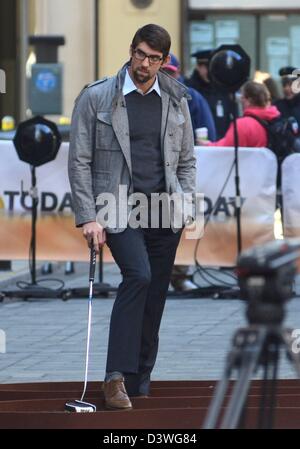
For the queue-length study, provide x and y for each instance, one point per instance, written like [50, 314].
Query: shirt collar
[129, 86]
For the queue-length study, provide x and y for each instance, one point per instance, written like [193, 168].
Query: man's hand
[94, 234]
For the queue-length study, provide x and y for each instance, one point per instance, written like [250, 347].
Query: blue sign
[46, 81]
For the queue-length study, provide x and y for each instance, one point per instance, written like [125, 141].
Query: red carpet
[171, 405]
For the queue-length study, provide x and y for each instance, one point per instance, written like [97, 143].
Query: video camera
[266, 274]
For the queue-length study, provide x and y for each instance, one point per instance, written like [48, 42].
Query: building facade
[98, 34]
[269, 30]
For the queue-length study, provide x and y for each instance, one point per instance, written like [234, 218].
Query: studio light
[37, 141]
[229, 67]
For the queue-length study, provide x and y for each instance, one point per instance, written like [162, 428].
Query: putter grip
[92, 264]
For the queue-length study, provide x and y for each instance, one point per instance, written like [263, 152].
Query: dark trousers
[145, 258]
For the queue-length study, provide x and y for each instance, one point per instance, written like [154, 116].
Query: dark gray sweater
[144, 115]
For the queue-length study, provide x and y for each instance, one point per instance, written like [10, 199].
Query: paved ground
[46, 338]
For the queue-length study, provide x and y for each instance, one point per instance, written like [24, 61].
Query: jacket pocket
[105, 136]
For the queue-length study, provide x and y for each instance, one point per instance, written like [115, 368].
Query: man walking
[134, 130]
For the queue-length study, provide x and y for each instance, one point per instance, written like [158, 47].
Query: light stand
[229, 69]
[37, 142]
[238, 201]
[34, 196]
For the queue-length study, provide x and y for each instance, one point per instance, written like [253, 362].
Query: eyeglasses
[141, 55]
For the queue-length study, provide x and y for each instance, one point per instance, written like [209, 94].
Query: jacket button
[167, 164]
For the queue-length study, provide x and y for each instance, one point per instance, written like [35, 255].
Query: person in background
[256, 101]
[199, 109]
[181, 278]
[270, 83]
[289, 105]
[218, 100]
[273, 88]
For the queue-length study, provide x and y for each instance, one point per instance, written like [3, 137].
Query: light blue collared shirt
[129, 86]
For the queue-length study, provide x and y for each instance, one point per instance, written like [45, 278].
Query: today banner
[58, 239]
[216, 172]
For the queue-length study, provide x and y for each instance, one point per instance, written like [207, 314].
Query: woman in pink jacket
[255, 101]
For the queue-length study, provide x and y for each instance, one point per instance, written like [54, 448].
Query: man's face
[287, 91]
[203, 71]
[145, 70]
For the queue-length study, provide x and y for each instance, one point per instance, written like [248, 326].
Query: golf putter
[79, 406]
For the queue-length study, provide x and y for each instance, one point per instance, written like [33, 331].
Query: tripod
[255, 346]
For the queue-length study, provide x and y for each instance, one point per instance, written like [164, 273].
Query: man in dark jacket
[218, 101]
[289, 106]
[199, 109]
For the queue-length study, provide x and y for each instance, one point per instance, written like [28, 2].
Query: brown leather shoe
[115, 394]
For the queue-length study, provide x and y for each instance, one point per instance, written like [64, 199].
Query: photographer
[289, 105]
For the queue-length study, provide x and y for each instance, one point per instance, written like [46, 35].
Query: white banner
[290, 170]
[257, 173]
[58, 239]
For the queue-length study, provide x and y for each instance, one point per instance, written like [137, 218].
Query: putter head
[80, 407]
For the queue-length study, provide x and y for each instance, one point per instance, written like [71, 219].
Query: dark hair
[155, 36]
[256, 93]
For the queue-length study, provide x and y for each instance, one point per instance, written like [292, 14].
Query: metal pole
[33, 225]
[238, 200]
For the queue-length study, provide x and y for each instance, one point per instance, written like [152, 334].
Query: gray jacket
[99, 155]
